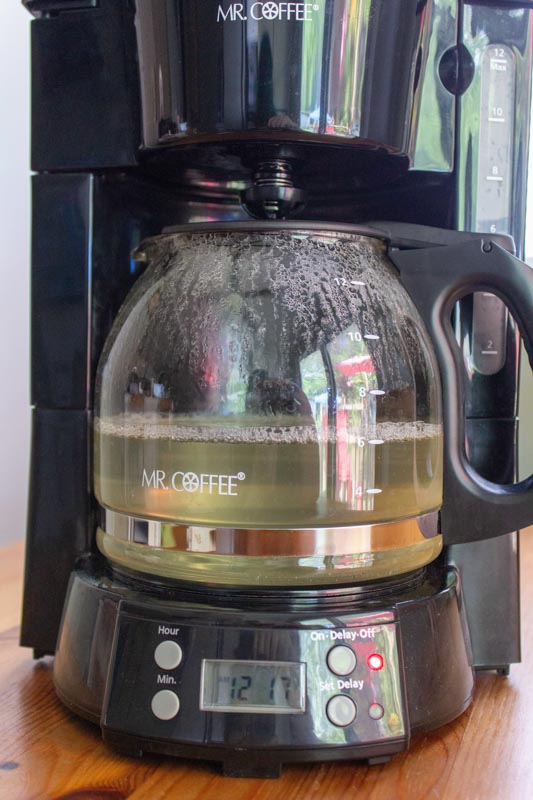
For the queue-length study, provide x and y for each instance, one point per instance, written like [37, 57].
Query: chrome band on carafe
[269, 543]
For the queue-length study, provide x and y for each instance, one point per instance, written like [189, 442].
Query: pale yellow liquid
[292, 571]
[295, 480]
[286, 484]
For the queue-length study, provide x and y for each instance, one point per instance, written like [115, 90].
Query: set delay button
[168, 655]
[341, 710]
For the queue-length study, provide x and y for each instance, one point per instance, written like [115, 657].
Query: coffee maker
[156, 121]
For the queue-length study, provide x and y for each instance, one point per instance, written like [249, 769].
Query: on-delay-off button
[341, 660]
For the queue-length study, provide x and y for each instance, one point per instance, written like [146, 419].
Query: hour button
[168, 655]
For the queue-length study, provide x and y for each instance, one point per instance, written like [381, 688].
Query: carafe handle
[436, 278]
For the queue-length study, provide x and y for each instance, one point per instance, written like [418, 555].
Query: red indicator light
[375, 661]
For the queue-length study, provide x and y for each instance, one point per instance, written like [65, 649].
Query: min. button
[165, 704]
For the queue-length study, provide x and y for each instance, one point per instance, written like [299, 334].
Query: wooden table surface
[46, 753]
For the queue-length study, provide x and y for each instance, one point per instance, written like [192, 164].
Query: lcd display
[253, 687]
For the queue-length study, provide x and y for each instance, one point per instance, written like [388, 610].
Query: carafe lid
[281, 226]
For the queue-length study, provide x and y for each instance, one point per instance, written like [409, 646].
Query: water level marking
[376, 441]
[370, 336]
[494, 178]
[489, 352]
[358, 283]
[497, 119]
[376, 391]
[374, 491]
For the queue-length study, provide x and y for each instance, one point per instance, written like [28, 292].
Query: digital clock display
[253, 687]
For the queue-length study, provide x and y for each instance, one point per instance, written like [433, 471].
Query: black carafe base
[258, 679]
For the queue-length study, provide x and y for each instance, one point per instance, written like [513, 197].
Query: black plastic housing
[59, 520]
[84, 79]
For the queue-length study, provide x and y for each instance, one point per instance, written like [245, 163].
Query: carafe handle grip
[436, 278]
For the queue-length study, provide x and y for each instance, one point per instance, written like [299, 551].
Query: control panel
[227, 682]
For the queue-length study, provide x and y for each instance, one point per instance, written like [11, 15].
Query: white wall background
[14, 268]
[14, 278]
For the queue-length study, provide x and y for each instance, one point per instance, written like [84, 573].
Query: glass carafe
[268, 411]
